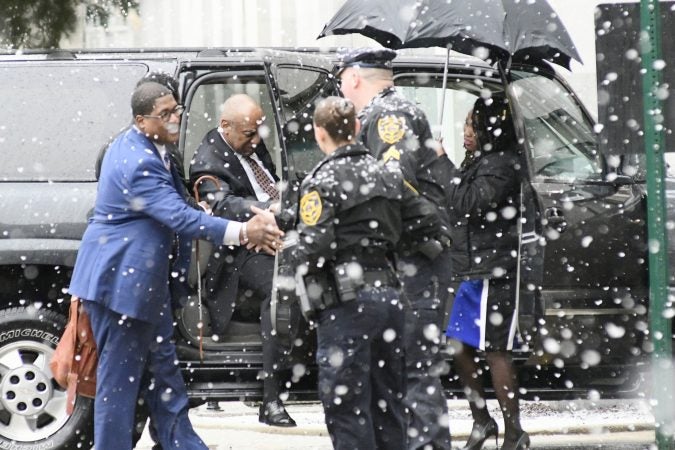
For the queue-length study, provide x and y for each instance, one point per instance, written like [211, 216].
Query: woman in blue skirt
[484, 204]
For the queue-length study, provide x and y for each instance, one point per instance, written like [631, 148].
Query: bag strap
[71, 390]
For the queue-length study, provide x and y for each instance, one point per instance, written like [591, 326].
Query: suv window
[44, 132]
[560, 138]
[206, 106]
[299, 91]
[426, 91]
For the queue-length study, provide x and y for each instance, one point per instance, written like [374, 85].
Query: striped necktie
[263, 180]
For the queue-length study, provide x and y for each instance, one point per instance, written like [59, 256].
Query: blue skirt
[484, 314]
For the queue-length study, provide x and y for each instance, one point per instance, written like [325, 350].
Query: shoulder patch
[310, 208]
[391, 129]
[391, 153]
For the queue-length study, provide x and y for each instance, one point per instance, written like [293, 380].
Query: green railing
[660, 323]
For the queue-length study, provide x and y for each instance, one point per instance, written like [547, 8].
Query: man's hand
[263, 233]
[438, 147]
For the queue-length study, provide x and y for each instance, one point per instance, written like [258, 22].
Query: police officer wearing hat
[350, 221]
[395, 130]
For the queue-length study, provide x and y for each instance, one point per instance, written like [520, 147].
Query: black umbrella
[504, 30]
[521, 29]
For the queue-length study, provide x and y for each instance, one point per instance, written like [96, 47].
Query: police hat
[373, 58]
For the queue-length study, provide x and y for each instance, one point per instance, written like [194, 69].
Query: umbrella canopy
[491, 29]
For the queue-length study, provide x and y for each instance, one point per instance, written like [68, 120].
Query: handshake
[261, 232]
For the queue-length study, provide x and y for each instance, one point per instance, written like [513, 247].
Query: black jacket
[236, 194]
[483, 205]
[231, 200]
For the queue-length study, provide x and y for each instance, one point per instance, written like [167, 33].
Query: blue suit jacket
[124, 260]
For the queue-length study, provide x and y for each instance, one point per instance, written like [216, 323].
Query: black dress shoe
[274, 414]
[213, 406]
[521, 443]
[480, 433]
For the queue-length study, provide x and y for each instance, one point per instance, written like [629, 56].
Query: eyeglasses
[165, 116]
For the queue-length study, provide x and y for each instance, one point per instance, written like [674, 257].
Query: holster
[316, 292]
[348, 280]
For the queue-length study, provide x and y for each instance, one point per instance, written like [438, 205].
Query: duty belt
[348, 281]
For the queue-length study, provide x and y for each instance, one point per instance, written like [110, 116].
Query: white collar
[237, 154]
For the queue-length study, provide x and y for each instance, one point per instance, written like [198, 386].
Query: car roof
[407, 61]
[140, 54]
[408, 56]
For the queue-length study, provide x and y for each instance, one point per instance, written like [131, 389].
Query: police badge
[310, 208]
[391, 129]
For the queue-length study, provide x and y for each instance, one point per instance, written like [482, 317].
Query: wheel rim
[32, 406]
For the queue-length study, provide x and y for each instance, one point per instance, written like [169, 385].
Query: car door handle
[555, 219]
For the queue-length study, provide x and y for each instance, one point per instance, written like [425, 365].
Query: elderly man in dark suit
[236, 155]
[122, 273]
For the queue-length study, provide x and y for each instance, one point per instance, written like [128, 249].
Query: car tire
[32, 405]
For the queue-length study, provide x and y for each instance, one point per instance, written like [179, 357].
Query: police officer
[394, 129]
[350, 221]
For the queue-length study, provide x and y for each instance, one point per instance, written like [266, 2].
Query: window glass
[57, 117]
[206, 106]
[427, 92]
[299, 91]
[560, 139]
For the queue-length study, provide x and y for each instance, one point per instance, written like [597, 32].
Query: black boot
[480, 433]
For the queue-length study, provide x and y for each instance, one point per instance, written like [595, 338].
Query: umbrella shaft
[445, 84]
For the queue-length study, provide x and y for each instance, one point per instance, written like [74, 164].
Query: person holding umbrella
[395, 130]
[483, 208]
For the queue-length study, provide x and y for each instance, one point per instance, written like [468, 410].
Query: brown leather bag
[74, 361]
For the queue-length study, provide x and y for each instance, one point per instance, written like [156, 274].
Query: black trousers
[426, 284]
[362, 371]
[255, 282]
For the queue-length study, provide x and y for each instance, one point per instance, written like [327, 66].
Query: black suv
[586, 293]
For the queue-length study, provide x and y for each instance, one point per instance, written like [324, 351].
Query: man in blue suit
[122, 273]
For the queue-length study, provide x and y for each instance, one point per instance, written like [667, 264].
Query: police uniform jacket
[393, 128]
[349, 204]
[483, 204]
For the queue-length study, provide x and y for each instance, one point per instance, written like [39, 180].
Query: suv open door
[287, 86]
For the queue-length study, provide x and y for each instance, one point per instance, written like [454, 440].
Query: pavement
[547, 422]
